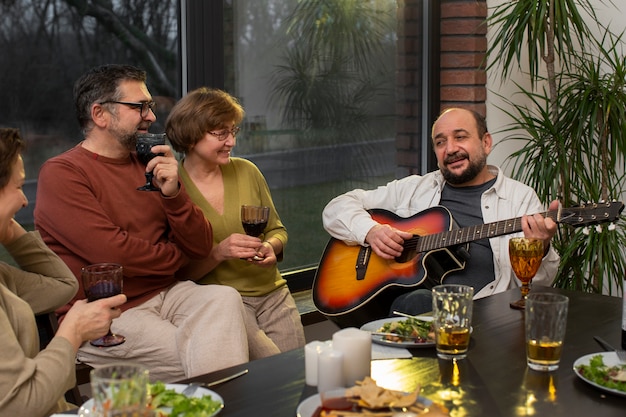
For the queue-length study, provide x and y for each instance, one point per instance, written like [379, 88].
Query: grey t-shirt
[464, 205]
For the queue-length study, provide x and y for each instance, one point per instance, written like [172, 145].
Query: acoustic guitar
[353, 285]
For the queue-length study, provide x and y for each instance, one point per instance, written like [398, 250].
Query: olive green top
[243, 184]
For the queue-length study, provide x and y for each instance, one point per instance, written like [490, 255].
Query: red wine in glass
[254, 228]
[101, 281]
[143, 146]
[254, 220]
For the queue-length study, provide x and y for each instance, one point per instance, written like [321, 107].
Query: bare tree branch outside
[47, 44]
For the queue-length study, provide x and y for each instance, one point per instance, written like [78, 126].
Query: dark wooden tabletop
[492, 381]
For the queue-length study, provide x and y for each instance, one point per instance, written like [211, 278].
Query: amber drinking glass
[526, 255]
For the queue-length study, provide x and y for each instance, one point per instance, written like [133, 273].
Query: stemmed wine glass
[526, 255]
[101, 281]
[254, 220]
[144, 144]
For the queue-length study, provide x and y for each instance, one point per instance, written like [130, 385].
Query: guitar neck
[469, 234]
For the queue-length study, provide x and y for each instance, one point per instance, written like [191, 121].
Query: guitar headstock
[591, 213]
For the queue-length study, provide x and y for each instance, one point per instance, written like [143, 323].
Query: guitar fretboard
[469, 234]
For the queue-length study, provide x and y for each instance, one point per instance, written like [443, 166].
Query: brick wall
[409, 65]
[462, 76]
[463, 46]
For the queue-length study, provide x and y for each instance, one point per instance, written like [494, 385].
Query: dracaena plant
[572, 124]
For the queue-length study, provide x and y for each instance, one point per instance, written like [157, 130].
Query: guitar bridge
[361, 262]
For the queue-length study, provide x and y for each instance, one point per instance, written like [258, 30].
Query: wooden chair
[47, 324]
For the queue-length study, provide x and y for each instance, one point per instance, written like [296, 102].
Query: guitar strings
[425, 243]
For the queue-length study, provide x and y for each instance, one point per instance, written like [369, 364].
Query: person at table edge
[474, 193]
[32, 382]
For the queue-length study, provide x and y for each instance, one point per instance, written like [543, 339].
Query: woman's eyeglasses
[222, 135]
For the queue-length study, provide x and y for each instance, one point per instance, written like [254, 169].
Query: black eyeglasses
[144, 106]
[222, 135]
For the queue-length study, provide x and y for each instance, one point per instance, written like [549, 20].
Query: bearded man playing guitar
[473, 193]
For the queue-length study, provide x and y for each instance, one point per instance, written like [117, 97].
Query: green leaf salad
[613, 377]
[411, 329]
[164, 399]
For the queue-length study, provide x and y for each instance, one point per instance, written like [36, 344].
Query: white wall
[496, 118]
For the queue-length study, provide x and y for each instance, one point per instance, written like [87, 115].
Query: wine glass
[526, 255]
[101, 281]
[144, 144]
[254, 220]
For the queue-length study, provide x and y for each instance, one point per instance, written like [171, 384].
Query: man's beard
[469, 174]
[129, 140]
[124, 137]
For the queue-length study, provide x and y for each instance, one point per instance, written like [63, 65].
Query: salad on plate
[167, 400]
[604, 371]
[410, 329]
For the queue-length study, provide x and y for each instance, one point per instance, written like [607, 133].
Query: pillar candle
[356, 346]
[311, 354]
[329, 370]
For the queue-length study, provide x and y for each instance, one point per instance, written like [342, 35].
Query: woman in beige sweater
[32, 383]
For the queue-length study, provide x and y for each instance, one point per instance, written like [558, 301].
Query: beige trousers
[273, 323]
[185, 331]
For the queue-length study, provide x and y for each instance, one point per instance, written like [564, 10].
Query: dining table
[493, 380]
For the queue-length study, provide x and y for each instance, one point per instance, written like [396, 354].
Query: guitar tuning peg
[612, 226]
[586, 231]
[599, 228]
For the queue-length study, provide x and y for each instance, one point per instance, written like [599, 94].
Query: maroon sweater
[88, 211]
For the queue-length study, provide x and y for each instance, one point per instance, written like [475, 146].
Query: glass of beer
[525, 255]
[452, 312]
[546, 318]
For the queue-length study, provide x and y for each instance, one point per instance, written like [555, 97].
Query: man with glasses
[89, 211]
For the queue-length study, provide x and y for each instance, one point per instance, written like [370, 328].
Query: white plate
[86, 410]
[308, 407]
[373, 326]
[609, 359]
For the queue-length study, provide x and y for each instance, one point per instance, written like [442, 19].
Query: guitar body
[350, 277]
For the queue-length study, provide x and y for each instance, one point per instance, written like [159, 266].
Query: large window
[333, 89]
[46, 44]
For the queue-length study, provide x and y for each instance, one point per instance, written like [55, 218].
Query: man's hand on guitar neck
[386, 241]
[540, 227]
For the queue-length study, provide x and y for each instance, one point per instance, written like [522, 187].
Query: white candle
[329, 370]
[311, 353]
[356, 346]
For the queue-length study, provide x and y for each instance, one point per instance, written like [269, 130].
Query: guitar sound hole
[407, 255]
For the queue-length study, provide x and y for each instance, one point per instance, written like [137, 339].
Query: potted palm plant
[334, 71]
[571, 121]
